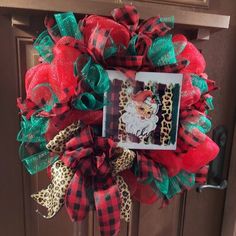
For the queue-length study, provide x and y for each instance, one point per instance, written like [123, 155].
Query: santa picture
[137, 115]
[140, 117]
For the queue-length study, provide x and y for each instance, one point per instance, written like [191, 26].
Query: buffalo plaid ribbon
[127, 16]
[89, 157]
[205, 103]
[147, 168]
[174, 68]
[29, 108]
[134, 58]
[153, 27]
[189, 137]
[98, 41]
[111, 124]
[201, 175]
[107, 203]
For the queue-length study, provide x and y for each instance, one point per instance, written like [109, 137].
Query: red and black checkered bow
[92, 183]
[134, 58]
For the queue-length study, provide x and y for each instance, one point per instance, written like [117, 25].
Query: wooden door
[11, 192]
[191, 213]
[35, 224]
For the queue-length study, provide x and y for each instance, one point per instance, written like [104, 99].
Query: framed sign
[143, 114]
[198, 3]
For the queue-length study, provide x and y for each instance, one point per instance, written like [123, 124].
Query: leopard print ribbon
[53, 196]
[126, 202]
[123, 160]
[58, 143]
[167, 106]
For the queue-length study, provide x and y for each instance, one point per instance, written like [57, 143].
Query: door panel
[11, 191]
[203, 214]
[123, 231]
[228, 226]
[160, 221]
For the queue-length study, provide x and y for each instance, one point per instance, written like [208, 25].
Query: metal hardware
[17, 20]
[221, 186]
[215, 175]
[203, 34]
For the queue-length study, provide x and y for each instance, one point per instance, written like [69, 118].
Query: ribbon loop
[67, 25]
[162, 51]
[87, 102]
[33, 152]
[146, 169]
[36, 157]
[98, 79]
[127, 16]
[124, 160]
[156, 26]
[44, 44]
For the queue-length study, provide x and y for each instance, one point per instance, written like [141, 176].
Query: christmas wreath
[63, 111]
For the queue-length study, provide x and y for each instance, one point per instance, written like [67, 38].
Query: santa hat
[141, 96]
[146, 96]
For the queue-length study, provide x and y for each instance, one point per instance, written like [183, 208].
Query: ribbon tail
[126, 202]
[107, 203]
[77, 202]
[53, 196]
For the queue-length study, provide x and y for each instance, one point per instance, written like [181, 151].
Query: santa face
[140, 117]
[145, 111]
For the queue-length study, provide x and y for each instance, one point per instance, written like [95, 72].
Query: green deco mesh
[33, 152]
[162, 51]
[202, 123]
[44, 44]
[200, 83]
[170, 186]
[96, 78]
[66, 26]
[169, 21]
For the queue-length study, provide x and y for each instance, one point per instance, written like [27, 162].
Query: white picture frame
[148, 129]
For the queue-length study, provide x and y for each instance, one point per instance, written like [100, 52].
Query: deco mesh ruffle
[62, 116]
